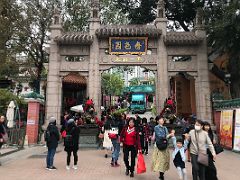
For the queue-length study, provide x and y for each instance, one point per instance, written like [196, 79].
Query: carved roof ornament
[75, 38]
[161, 9]
[95, 8]
[182, 38]
[56, 16]
[128, 30]
[199, 17]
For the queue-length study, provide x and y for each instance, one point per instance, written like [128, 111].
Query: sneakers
[117, 165]
[127, 172]
[52, 168]
[131, 174]
[68, 167]
[75, 167]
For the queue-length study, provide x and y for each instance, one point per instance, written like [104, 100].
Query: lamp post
[228, 83]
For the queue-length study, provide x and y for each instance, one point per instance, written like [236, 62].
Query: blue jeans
[50, 157]
[116, 150]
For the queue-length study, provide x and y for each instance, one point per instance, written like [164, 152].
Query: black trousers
[145, 147]
[126, 150]
[69, 153]
[198, 170]
[211, 171]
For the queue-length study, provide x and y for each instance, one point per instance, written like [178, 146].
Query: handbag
[113, 134]
[141, 166]
[64, 133]
[101, 136]
[162, 143]
[218, 148]
[202, 157]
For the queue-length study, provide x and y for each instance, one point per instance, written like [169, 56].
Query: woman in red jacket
[131, 143]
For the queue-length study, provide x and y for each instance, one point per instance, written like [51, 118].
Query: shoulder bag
[202, 157]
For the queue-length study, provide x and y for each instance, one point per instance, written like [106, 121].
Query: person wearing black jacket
[52, 137]
[117, 125]
[71, 142]
[2, 130]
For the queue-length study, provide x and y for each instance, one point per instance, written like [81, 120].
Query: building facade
[78, 59]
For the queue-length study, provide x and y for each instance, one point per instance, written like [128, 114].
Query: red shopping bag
[64, 133]
[141, 167]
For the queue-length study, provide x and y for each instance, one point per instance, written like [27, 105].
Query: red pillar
[33, 121]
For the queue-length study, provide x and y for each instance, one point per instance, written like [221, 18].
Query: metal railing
[16, 137]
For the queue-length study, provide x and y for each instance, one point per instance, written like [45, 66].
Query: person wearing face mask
[199, 141]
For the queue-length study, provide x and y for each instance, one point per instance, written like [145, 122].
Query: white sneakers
[74, 167]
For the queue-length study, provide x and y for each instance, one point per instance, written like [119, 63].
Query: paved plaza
[93, 166]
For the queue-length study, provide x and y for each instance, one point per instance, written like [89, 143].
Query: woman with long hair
[71, 142]
[211, 171]
[131, 143]
[107, 143]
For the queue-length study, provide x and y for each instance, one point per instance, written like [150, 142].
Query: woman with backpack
[131, 143]
[161, 155]
[71, 143]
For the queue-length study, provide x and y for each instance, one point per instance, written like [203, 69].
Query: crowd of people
[135, 134]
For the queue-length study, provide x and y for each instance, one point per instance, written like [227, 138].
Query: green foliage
[181, 12]
[224, 37]
[112, 84]
[119, 112]
[5, 98]
[9, 14]
[77, 15]
[134, 81]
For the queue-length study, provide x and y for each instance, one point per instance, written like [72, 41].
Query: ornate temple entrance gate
[149, 46]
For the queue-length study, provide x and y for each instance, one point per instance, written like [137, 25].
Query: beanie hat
[70, 121]
[52, 120]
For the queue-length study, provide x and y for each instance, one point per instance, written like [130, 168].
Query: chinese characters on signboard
[121, 45]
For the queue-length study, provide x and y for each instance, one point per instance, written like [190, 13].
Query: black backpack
[47, 135]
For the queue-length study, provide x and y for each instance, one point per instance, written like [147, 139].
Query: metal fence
[16, 137]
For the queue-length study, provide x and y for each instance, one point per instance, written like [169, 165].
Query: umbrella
[78, 108]
[10, 114]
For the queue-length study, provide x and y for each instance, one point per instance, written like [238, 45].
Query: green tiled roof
[226, 104]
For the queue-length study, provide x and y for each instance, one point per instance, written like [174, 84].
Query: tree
[112, 84]
[134, 81]
[77, 14]
[32, 33]
[224, 37]
[9, 14]
[180, 12]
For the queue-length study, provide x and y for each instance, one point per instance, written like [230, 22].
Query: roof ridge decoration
[128, 30]
[182, 38]
[75, 38]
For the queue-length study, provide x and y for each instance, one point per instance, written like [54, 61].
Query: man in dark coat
[51, 137]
